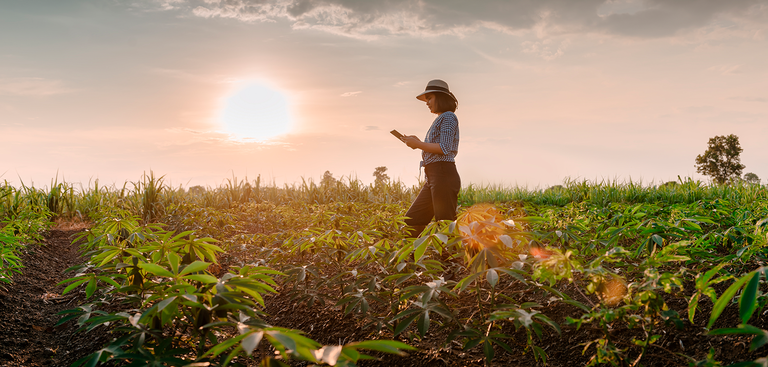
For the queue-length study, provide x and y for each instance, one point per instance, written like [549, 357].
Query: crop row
[613, 254]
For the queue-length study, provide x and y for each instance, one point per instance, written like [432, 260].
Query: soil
[328, 326]
[29, 307]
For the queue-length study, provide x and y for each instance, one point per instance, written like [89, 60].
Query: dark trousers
[437, 199]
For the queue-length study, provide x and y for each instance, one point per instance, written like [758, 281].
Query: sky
[205, 91]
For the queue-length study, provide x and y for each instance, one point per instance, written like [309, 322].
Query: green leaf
[156, 270]
[108, 280]
[703, 282]
[90, 288]
[109, 256]
[290, 339]
[164, 303]
[759, 340]
[743, 329]
[223, 346]
[421, 247]
[195, 267]
[467, 281]
[386, 346]
[540, 354]
[726, 297]
[403, 324]
[173, 260]
[748, 299]
[350, 353]
[549, 322]
[203, 278]
[640, 249]
[404, 252]
[471, 343]
[423, 323]
[73, 286]
[488, 352]
[692, 305]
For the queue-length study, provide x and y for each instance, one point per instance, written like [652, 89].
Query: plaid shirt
[444, 131]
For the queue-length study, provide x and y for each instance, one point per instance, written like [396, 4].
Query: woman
[439, 196]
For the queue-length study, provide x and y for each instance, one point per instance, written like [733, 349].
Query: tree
[752, 178]
[721, 159]
[381, 177]
[327, 179]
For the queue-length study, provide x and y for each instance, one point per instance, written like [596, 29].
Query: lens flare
[613, 291]
[540, 253]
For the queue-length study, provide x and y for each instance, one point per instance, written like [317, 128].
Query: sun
[256, 112]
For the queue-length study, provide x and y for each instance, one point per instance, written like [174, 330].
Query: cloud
[659, 18]
[372, 19]
[370, 128]
[32, 87]
[190, 137]
[351, 94]
[545, 49]
[749, 99]
[726, 69]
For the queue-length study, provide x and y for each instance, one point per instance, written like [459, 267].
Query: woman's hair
[445, 103]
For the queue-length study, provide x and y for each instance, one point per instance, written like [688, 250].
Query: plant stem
[479, 301]
[645, 346]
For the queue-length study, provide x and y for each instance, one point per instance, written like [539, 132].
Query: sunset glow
[256, 112]
[201, 90]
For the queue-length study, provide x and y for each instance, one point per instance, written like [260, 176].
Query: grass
[607, 192]
[150, 195]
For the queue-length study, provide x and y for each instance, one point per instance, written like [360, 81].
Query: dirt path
[29, 307]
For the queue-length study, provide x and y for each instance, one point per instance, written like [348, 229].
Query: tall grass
[606, 192]
[149, 196]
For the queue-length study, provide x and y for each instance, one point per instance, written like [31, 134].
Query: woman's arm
[414, 142]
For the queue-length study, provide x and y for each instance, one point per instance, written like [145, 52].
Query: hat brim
[421, 97]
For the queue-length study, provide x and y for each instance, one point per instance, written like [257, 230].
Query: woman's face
[431, 102]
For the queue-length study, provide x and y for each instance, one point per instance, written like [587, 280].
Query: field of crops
[587, 273]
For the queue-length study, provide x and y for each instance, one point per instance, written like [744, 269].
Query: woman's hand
[412, 141]
[415, 143]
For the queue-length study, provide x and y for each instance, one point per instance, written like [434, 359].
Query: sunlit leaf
[194, 267]
[251, 341]
[164, 303]
[173, 260]
[73, 286]
[420, 246]
[203, 278]
[492, 277]
[156, 270]
[331, 354]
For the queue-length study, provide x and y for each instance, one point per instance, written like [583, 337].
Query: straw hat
[436, 86]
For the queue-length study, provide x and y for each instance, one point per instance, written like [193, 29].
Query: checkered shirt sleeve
[444, 131]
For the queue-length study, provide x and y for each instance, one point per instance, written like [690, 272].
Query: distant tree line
[378, 172]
